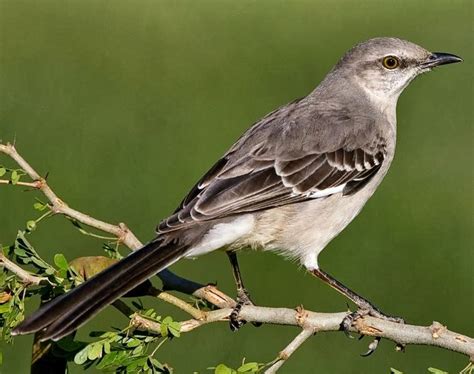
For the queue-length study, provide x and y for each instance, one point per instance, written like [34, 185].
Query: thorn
[372, 347]
[348, 307]
[400, 347]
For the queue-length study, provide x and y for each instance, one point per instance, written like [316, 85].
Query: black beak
[440, 58]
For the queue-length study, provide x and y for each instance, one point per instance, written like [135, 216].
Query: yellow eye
[390, 62]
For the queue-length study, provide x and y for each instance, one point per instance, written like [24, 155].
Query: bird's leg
[243, 297]
[365, 306]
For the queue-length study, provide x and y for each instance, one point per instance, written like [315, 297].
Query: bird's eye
[390, 62]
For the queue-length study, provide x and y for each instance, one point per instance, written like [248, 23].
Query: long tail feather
[66, 313]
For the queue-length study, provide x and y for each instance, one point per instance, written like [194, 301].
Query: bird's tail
[66, 313]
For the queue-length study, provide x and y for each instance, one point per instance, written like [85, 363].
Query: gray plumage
[291, 183]
[335, 135]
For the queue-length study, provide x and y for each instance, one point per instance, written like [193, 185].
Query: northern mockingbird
[290, 184]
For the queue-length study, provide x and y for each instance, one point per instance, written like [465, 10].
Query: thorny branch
[313, 322]
[310, 322]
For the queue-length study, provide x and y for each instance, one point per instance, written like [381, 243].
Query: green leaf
[95, 351]
[175, 325]
[20, 252]
[222, 369]
[15, 177]
[174, 328]
[40, 206]
[437, 371]
[175, 333]
[40, 263]
[163, 330]
[60, 261]
[155, 363]
[134, 363]
[3, 171]
[149, 313]
[133, 343]
[103, 334]
[81, 356]
[138, 350]
[5, 308]
[249, 367]
[107, 347]
[107, 360]
[395, 371]
[114, 359]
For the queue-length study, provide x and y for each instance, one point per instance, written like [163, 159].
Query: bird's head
[383, 67]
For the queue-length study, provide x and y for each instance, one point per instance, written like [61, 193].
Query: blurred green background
[127, 103]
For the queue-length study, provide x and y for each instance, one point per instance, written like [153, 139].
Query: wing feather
[263, 188]
[278, 161]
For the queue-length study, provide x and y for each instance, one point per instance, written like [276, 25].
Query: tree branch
[171, 281]
[435, 335]
[176, 301]
[284, 355]
[24, 184]
[26, 277]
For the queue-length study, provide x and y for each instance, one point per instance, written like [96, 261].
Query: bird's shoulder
[309, 125]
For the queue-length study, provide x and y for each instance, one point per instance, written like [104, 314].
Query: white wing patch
[327, 191]
[222, 235]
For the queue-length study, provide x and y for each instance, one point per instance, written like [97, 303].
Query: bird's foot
[367, 310]
[243, 298]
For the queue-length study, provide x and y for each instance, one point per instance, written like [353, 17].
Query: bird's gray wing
[285, 158]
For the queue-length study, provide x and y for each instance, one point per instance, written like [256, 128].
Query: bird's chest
[298, 230]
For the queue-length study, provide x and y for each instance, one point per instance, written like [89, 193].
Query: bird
[290, 184]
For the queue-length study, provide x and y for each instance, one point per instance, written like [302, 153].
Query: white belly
[223, 234]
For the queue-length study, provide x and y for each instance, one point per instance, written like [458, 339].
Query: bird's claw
[372, 347]
[351, 318]
[235, 322]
